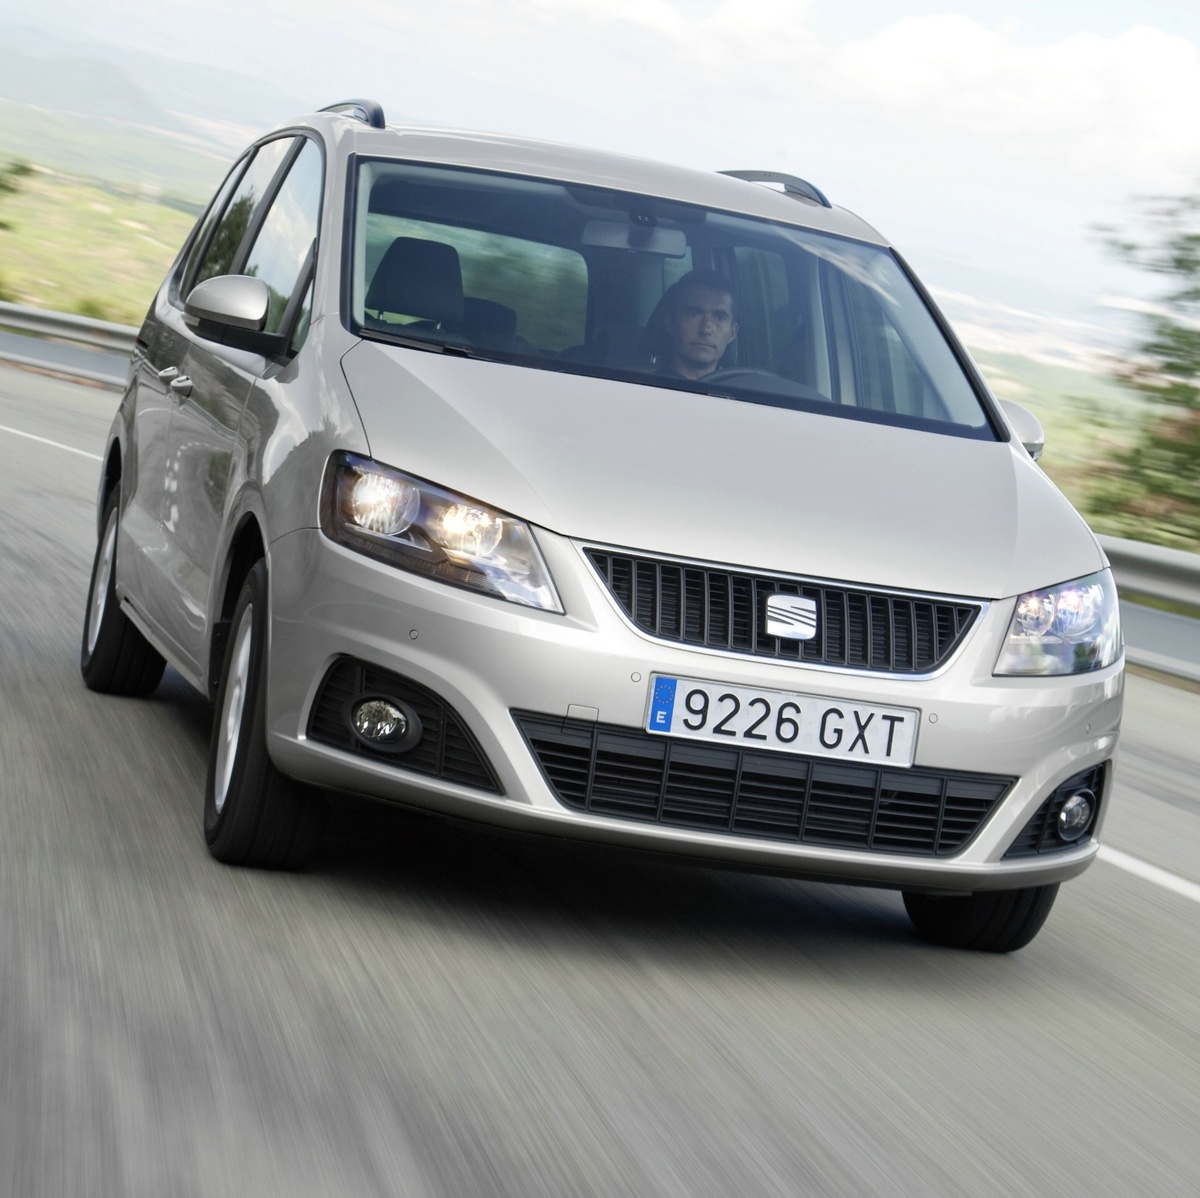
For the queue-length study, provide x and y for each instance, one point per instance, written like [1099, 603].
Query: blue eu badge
[662, 705]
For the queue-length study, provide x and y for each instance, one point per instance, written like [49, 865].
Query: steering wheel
[766, 382]
[731, 373]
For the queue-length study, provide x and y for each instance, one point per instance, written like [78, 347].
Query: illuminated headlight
[1067, 629]
[383, 504]
[427, 530]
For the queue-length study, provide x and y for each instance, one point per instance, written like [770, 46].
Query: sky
[985, 139]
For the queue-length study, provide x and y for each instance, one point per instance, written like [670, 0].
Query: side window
[767, 322]
[204, 227]
[887, 376]
[280, 251]
[653, 283]
[674, 269]
[543, 287]
[219, 254]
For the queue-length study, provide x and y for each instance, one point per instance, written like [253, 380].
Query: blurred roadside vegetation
[1087, 417]
[1150, 488]
[10, 182]
[92, 248]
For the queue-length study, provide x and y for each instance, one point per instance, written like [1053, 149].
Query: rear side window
[252, 190]
[204, 229]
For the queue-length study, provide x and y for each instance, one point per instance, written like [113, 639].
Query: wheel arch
[246, 546]
[110, 479]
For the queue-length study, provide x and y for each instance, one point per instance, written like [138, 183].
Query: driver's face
[701, 326]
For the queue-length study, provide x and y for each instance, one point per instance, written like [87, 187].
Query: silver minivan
[589, 495]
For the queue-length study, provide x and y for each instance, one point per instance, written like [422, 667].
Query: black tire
[114, 657]
[996, 921]
[253, 814]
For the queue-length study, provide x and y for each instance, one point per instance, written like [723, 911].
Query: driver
[700, 325]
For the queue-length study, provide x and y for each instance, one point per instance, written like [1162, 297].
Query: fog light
[1075, 818]
[383, 723]
[379, 721]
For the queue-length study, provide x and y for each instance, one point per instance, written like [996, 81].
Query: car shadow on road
[610, 900]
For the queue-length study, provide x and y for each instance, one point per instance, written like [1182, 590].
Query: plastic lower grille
[1040, 835]
[627, 774]
[724, 609]
[446, 750]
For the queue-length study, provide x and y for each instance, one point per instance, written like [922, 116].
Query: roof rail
[791, 184]
[368, 111]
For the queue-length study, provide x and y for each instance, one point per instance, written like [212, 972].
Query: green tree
[10, 177]
[1151, 490]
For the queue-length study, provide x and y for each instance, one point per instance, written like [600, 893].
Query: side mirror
[1026, 426]
[231, 301]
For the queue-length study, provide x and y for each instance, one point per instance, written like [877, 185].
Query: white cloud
[938, 98]
[1087, 101]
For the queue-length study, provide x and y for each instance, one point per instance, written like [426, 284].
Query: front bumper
[486, 659]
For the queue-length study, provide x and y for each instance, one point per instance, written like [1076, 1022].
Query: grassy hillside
[80, 246]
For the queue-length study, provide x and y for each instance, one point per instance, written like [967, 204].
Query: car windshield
[584, 280]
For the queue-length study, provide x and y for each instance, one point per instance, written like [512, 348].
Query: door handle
[168, 374]
[182, 386]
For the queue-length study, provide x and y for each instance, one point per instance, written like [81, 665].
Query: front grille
[446, 750]
[620, 772]
[715, 608]
[1040, 834]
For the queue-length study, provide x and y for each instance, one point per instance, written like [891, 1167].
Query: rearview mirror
[633, 235]
[1026, 426]
[233, 301]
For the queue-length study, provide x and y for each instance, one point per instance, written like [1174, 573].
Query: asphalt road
[431, 1011]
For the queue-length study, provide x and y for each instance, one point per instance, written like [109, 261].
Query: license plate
[781, 721]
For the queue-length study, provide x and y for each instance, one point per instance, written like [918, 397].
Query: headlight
[417, 526]
[1067, 629]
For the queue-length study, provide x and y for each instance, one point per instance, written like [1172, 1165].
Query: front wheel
[996, 921]
[114, 657]
[253, 814]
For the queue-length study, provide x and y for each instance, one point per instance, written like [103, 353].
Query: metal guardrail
[1154, 570]
[61, 326]
[1150, 570]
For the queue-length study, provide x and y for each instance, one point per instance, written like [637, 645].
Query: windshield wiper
[410, 342]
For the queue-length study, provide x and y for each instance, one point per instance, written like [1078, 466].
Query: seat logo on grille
[791, 617]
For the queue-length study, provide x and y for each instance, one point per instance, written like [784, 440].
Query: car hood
[694, 476]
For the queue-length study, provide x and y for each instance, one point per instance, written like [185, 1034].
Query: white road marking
[1150, 873]
[16, 432]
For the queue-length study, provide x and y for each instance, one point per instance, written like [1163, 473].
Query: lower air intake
[446, 748]
[623, 773]
[1040, 834]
